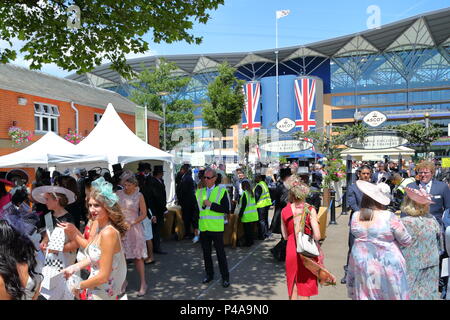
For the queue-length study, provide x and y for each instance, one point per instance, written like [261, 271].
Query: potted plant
[18, 136]
[334, 172]
[74, 137]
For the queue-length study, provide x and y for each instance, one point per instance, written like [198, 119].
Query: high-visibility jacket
[250, 213]
[210, 220]
[264, 200]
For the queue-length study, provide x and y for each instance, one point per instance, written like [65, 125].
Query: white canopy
[366, 155]
[35, 155]
[110, 142]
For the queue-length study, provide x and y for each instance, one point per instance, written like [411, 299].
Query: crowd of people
[396, 244]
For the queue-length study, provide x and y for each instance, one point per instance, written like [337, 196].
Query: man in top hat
[158, 202]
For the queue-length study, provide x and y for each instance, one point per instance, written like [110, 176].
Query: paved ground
[254, 274]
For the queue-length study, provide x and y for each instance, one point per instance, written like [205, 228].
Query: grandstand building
[401, 69]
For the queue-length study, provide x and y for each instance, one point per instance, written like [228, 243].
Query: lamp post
[163, 94]
[427, 125]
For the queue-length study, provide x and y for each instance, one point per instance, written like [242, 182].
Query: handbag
[305, 243]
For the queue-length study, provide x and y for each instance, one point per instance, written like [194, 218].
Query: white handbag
[306, 245]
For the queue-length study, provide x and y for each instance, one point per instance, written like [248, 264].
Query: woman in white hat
[422, 256]
[377, 269]
[56, 199]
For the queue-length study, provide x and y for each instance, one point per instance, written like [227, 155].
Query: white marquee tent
[111, 142]
[35, 155]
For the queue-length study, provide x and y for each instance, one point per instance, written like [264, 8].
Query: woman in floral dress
[377, 269]
[422, 256]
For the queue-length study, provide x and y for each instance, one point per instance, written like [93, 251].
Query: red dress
[296, 273]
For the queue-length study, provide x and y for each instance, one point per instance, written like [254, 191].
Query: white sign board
[374, 118]
[377, 141]
[285, 125]
[231, 167]
[287, 146]
[198, 160]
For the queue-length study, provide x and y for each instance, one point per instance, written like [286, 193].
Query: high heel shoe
[142, 292]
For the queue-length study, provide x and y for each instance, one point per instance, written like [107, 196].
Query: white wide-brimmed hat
[38, 194]
[379, 192]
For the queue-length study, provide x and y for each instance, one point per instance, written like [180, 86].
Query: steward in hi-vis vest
[212, 206]
[263, 203]
[248, 213]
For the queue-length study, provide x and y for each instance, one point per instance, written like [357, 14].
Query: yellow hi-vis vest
[210, 220]
[405, 183]
[250, 213]
[264, 199]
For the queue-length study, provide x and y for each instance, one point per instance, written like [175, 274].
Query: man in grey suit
[440, 194]
[354, 201]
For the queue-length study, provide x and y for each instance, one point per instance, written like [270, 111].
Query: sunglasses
[209, 178]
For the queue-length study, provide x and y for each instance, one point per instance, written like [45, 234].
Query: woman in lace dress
[133, 207]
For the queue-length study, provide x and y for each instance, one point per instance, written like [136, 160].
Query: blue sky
[249, 25]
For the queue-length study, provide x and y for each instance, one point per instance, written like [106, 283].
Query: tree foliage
[332, 147]
[108, 29]
[226, 100]
[156, 80]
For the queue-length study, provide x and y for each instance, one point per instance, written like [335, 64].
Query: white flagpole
[276, 63]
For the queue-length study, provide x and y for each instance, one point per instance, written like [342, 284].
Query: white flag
[282, 13]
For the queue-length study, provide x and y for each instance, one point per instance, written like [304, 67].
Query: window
[45, 118]
[97, 117]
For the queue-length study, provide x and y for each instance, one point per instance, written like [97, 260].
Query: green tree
[331, 147]
[226, 100]
[107, 29]
[154, 81]
[418, 135]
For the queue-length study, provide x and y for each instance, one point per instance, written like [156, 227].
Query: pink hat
[419, 196]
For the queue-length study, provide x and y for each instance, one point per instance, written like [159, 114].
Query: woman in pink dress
[133, 207]
[302, 273]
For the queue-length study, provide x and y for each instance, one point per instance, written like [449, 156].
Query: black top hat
[117, 167]
[157, 169]
[144, 165]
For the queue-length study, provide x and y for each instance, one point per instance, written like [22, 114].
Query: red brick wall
[24, 115]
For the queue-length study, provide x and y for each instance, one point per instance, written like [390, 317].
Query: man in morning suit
[158, 206]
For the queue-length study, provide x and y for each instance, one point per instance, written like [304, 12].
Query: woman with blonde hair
[302, 272]
[133, 206]
[104, 252]
[422, 256]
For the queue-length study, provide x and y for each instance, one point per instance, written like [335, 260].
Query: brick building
[39, 103]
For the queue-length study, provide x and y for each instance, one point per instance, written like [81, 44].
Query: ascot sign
[285, 125]
[374, 118]
[287, 146]
[377, 140]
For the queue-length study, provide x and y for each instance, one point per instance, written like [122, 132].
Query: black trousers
[248, 233]
[188, 217]
[156, 228]
[263, 223]
[206, 239]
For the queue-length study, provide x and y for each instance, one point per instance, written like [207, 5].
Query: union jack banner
[252, 93]
[305, 95]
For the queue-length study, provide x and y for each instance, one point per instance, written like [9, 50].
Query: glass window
[343, 114]
[46, 117]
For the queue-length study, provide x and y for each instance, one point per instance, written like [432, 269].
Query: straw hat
[379, 192]
[39, 193]
[419, 196]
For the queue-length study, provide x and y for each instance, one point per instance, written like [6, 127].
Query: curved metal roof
[437, 24]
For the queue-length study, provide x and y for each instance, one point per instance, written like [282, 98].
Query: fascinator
[106, 190]
[420, 196]
[22, 222]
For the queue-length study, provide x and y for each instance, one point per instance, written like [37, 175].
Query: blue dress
[377, 269]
